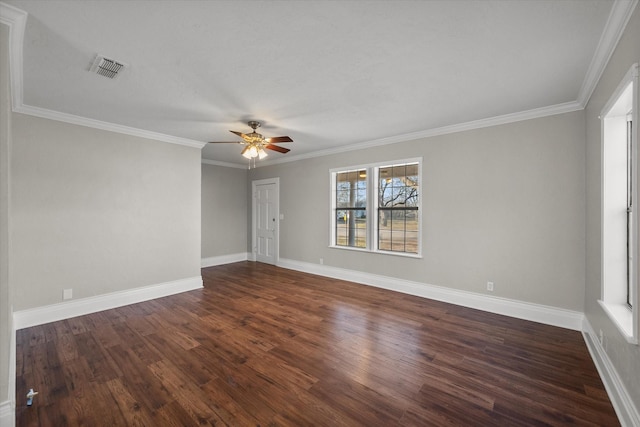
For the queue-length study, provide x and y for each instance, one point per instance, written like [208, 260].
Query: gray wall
[99, 212]
[625, 357]
[224, 211]
[5, 137]
[502, 204]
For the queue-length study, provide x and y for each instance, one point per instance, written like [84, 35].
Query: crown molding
[16, 19]
[225, 164]
[112, 127]
[566, 107]
[619, 16]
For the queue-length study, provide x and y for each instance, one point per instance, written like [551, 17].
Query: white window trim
[372, 207]
[332, 200]
[624, 317]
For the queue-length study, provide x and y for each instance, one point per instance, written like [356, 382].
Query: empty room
[328, 213]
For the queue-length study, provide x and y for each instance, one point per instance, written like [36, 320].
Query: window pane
[399, 171]
[350, 208]
[385, 172]
[342, 186]
[362, 179]
[342, 199]
[397, 196]
[341, 234]
[361, 200]
[361, 237]
[351, 228]
[397, 245]
[412, 171]
[385, 192]
[411, 241]
[397, 225]
[384, 231]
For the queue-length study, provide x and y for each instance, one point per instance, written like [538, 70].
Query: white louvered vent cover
[107, 67]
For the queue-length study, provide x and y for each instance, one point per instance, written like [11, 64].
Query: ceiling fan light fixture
[261, 153]
[253, 151]
[245, 153]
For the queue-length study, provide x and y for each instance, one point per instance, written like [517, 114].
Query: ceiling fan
[256, 143]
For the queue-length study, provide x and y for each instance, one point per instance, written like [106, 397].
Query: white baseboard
[522, 310]
[7, 414]
[51, 313]
[223, 259]
[622, 403]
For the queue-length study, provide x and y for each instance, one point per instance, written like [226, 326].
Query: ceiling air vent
[107, 67]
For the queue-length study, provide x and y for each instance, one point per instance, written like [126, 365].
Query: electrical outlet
[67, 294]
[601, 336]
[490, 286]
[321, 261]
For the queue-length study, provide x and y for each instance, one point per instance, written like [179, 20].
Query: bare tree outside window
[398, 208]
[376, 207]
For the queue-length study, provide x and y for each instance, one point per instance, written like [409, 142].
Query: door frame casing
[276, 236]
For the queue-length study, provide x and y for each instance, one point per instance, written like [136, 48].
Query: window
[619, 216]
[377, 207]
[351, 208]
[397, 205]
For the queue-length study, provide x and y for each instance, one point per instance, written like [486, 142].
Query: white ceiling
[329, 74]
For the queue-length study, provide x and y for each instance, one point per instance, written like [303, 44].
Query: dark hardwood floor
[260, 345]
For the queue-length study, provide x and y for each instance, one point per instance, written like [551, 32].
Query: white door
[265, 220]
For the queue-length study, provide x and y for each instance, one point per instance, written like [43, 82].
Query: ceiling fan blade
[279, 139]
[240, 134]
[276, 148]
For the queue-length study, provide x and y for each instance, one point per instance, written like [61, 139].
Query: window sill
[349, 248]
[622, 317]
[400, 254]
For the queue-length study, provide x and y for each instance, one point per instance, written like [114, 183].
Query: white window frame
[614, 257]
[372, 207]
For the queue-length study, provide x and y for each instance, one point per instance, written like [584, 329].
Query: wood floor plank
[191, 364]
[230, 410]
[186, 393]
[101, 367]
[265, 346]
[128, 405]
